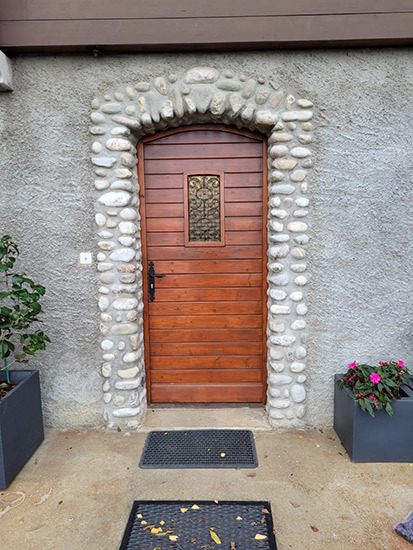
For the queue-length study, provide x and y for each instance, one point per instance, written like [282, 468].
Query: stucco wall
[360, 256]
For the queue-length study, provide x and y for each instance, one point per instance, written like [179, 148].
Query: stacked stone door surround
[200, 95]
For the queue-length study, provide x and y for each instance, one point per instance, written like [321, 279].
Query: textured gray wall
[360, 259]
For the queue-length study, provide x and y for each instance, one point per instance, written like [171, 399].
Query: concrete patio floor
[76, 492]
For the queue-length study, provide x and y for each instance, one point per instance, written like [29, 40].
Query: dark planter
[381, 438]
[21, 424]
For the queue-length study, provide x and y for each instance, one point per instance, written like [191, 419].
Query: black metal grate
[192, 522]
[200, 449]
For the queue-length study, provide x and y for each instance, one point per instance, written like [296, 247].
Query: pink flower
[383, 363]
[371, 397]
[375, 378]
[400, 364]
[352, 365]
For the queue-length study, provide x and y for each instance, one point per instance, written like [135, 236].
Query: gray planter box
[383, 438]
[21, 424]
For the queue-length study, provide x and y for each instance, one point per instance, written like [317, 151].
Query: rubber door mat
[200, 449]
[199, 525]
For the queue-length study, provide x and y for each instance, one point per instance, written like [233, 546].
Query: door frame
[142, 212]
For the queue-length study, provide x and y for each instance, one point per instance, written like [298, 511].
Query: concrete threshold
[198, 417]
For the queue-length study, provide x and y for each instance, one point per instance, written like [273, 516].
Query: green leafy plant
[19, 309]
[375, 387]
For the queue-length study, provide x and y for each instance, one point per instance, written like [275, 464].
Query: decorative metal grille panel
[204, 208]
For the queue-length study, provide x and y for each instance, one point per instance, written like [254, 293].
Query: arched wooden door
[204, 249]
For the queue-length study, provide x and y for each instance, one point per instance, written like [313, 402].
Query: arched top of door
[247, 134]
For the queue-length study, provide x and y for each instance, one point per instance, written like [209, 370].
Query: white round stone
[297, 393]
[100, 219]
[299, 324]
[128, 214]
[106, 345]
[301, 309]
[115, 198]
[123, 255]
[125, 303]
[127, 228]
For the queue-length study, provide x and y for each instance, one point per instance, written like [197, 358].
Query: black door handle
[151, 280]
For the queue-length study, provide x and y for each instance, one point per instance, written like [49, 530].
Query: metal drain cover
[200, 449]
[193, 525]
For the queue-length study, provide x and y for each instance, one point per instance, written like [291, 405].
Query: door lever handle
[151, 280]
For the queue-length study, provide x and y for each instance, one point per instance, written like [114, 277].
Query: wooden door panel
[226, 280]
[207, 362]
[205, 321]
[243, 392]
[204, 151]
[207, 375]
[205, 308]
[198, 258]
[207, 266]
[203, 166]
[205, 330]
[206, 335]
[207, 294]
[202, 136]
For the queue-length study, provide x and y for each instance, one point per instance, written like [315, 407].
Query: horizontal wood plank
[205, 321]
[206, 335]
[243, 237]
[208, 294]
[242, 392]
[207, 375]
[141, 9]
[203, 166]
[210, 348]
[235, 194]
[243, 224]
[229, 33]
[199, 253]
[232, 209]
[208, 266]
[176, 225]
[238, 362]
[211, 281]
[229, 135]
[203, 151]
[175, 181]
[205, 308]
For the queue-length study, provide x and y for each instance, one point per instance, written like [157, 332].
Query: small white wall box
[85, 258]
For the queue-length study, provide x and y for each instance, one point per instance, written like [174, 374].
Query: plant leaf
[214, 537]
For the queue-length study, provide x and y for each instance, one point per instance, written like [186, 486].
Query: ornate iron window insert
[204, 209]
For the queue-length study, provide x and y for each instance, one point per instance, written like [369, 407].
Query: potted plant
[21, 423]
[373, 412]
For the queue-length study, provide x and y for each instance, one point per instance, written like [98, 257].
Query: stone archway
[201, 95]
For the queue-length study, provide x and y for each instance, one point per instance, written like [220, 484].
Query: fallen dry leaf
[195, 507]
[216, 501]
[214, 537]
[156, 530]
[264, 511]
[260, 537]
[232, 547]
[251, 475]
[143, 522]
[262, 519]
[238, 518]
[183, 510]
[21, 521]
[173, 538]
[295, 504]
[223, 454]
[37, 527]
[314, 528]
[139, 516]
